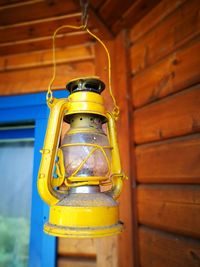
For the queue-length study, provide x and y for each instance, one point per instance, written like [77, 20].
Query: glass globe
[86, 130]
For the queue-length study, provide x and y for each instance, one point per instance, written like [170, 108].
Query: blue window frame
[22, 109]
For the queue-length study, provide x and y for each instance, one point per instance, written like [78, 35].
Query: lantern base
[83, 232]
[84, 215]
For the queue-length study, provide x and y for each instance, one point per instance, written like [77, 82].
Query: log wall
[156, 81]
[28, 73]
[165, 76]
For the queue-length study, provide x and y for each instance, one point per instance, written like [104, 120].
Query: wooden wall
[28, 73]
[155, 75]
[165, 76]
[110, 251]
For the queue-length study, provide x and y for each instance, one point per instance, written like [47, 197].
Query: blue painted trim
[32, 108]
[28, 100]
[17, 133]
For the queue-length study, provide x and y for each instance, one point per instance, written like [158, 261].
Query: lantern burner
[84, 189]
[86, 84]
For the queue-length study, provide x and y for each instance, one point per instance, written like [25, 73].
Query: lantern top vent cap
[88, 84]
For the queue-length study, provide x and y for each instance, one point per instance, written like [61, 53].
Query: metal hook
[84, 17]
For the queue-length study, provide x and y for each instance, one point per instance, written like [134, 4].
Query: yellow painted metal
[117, 175]
[70, 221]
[80, 222]
[60, 170]
[78, 102]
[88, 178]
[83, 216]
[83, 232]
[86, 102]
[49, 151]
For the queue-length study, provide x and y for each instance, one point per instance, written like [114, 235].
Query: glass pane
[16, 166]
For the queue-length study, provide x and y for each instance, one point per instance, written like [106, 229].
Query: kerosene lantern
[80, 177]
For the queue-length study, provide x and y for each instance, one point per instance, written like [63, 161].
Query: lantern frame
[79, 221]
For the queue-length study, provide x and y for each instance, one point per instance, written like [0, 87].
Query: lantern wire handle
[116, 108]
[49, 95]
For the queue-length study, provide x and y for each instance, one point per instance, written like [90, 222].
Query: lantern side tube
[117, 175]
[49, 151]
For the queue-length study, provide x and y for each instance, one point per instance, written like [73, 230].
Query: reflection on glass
[16, 165]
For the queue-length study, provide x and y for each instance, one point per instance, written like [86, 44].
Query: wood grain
[159, 248]
[6, 3]
[37, 79]
[172, 208]
[175, 73]
[127, 252]
[136, 11]
[101, 69]
[65, 262]
[38, 28]
[39, 10]
[153, 18]
[174, 116]
[173, 161]
[119, 7]
[97, 3]
[107, 249]
[169, 35]
[45, 58]
[38, 44]
[117, 49]
[77, 247]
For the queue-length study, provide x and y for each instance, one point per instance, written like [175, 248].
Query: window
[16, 167]
[22, 212]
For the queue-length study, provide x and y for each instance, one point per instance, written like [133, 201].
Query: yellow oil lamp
[82, 196]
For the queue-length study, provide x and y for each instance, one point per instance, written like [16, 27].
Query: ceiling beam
[103, 29]
[35, 10]
[97, 22]
[62, 40]
[37, 28]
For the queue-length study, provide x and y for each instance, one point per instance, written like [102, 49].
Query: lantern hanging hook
[84, 5]
[84, 14]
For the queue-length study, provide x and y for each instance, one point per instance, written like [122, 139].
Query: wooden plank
[172, 161]
[39, 10]
[36, 44]
[97, 3]
[44, 58]
[167, 37]
[37, 79]
[177, 72]
[38, 28]
[136, 12]
[117, 49]
[77, 247]
[112, 10]
[153, 18]
[107, 252]
[127, 246]
[64, 262]
[7, 3]
[107, 248]
[158, 249]
[103, 31]
[172, 208]
[176, 115]
[101, 69]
